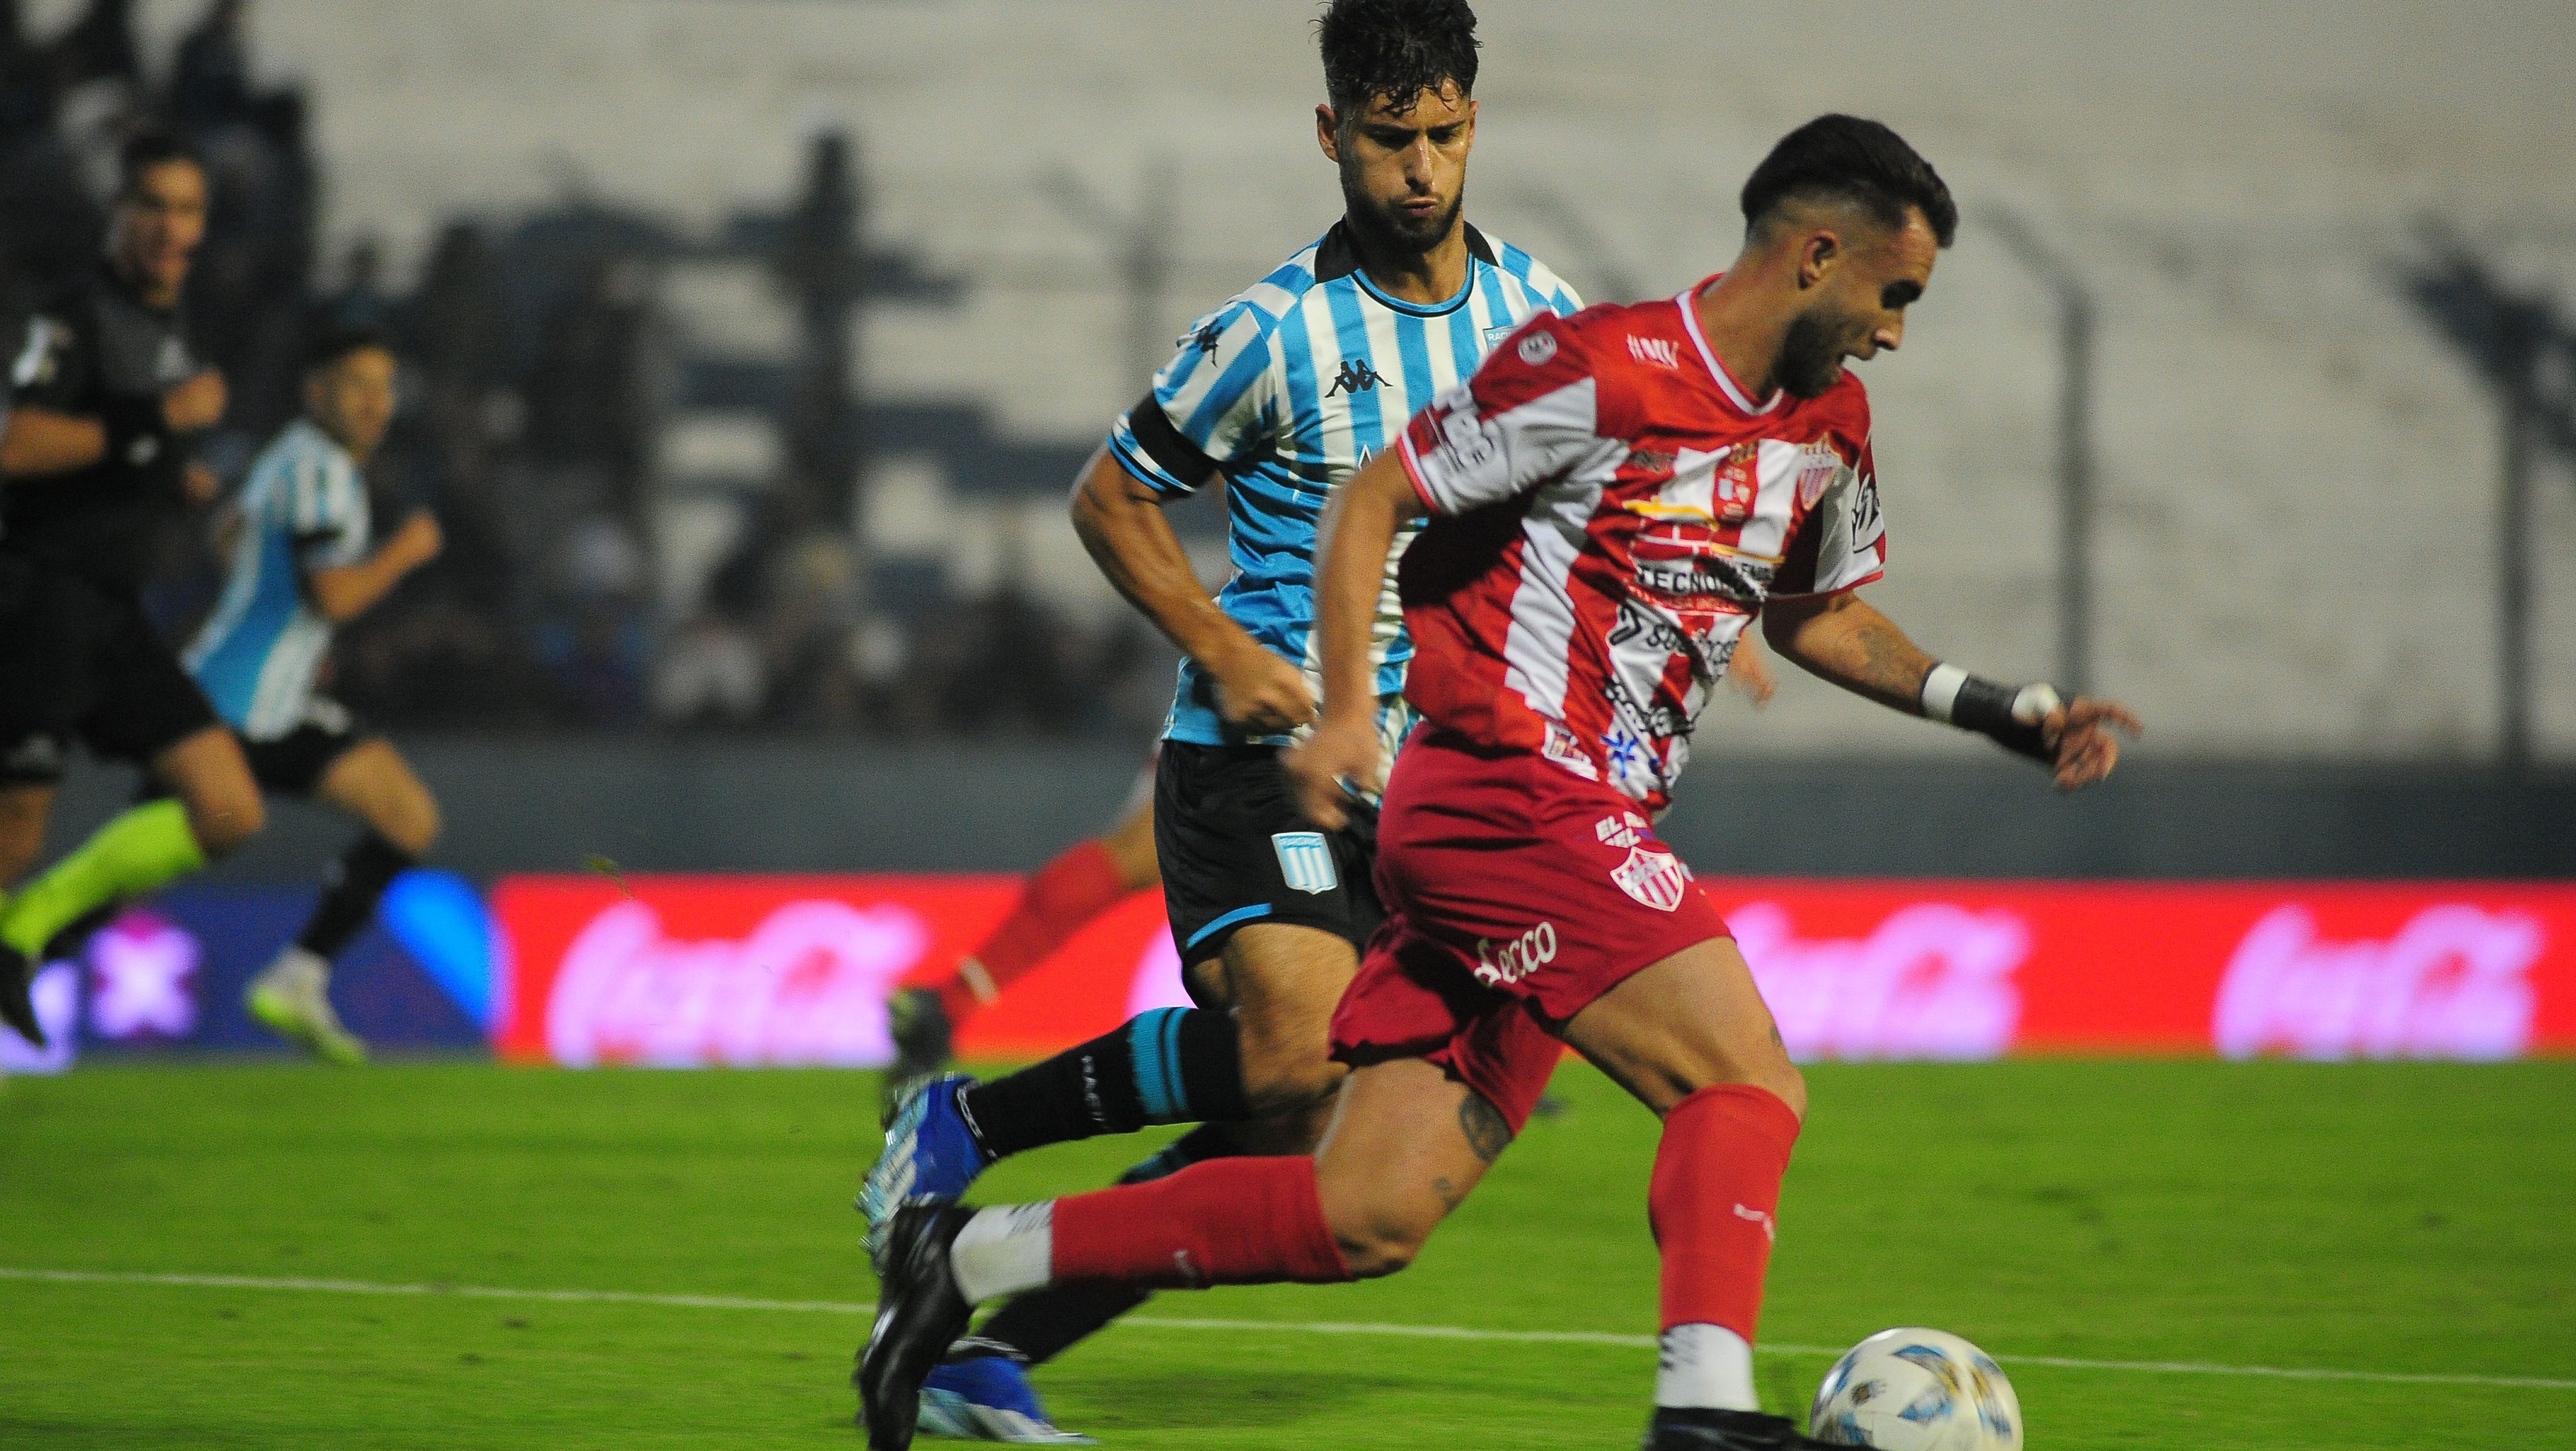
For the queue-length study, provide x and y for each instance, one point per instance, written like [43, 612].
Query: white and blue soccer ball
[1917, 1390]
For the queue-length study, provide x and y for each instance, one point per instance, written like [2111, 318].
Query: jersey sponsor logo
[1695, 578]
[1305, 861]
[1515, 958]
[1623, 830]
[2453, 982]
[1538, 347]
[1660, 352]
[1652, 461]
[1465, 443]
[1817, 465]
[1356, 377]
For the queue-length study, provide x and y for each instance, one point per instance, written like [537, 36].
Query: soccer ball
[1917, 1390]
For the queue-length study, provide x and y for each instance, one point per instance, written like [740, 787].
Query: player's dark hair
[338, 340]
[1395, 49]
[148, 149]
[1860, 162]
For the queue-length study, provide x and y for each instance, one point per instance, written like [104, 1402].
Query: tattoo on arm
[1486, 1131]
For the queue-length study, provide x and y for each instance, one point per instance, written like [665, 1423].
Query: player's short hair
[146, 150]
[1395, 49]
[331, 343]
[1856, 161]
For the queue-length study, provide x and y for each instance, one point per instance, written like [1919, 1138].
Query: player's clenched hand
[195, 404]
[2083, 732]
[1339, 751]
[1260, 694]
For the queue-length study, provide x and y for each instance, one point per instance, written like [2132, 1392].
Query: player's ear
[1818, 255]
[1327, 132]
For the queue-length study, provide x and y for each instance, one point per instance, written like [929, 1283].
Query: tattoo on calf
[1487, 1133]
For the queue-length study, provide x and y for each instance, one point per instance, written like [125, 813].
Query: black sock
[1169, 1066]
[350, 892]
[1039, 1326]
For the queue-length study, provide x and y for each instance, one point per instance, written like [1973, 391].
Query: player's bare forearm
[1844, 639]
[1121, 523]
[1351, 543]
[38, 441]
[343, 594]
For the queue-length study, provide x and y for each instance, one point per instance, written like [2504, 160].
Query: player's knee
[1281, 1077]
[225, 816]
[1377, 1245]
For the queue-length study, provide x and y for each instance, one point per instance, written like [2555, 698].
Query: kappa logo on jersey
[1515, 958]
[1867, 524]
[1207, 337]
[1653, 876]
[1537, 348]
[1305, 861]
[1623, 830]
[1356, 377]
[1660, 352]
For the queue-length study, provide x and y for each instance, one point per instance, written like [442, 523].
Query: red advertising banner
[773, 970]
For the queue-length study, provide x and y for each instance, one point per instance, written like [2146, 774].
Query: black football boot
[919, 1315]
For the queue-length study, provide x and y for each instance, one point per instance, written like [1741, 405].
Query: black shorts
[1235, 850]
[78, 662]
[294, 763]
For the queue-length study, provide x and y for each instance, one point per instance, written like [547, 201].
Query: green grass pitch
[2390, 1220]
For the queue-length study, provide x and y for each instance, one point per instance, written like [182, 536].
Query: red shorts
[1517, 893]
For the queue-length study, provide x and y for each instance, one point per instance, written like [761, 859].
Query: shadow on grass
[1178, 1400]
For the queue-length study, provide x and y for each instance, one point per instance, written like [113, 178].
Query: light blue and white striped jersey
[1287, 390]
[304, 509]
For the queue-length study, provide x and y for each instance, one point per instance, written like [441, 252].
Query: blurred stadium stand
[756, 340]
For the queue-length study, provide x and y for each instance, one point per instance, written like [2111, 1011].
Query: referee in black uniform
[107, 397]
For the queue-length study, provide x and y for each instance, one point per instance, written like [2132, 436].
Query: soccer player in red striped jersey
[1614, 499]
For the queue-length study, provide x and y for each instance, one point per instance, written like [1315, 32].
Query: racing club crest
[1653, 876]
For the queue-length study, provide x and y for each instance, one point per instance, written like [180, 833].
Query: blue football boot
[930, 1153]
[981, 1395]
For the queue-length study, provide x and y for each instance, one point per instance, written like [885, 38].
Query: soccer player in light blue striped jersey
[1276, 397]
[302, 562]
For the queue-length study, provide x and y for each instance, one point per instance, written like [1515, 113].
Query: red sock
[1223, 1222]
[1080, 884]
[1715, 1194]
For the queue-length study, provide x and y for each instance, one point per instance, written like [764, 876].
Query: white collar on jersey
[1716, 369]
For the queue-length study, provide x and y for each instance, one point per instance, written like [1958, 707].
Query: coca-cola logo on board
[1930, 981]
[808, 985]
[2452, 983]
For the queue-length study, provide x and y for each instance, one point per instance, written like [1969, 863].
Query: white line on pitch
[1274, 1327]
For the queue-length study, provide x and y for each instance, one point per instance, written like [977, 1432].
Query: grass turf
[2385, 1218]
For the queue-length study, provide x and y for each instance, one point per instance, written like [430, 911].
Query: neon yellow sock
[148, 845]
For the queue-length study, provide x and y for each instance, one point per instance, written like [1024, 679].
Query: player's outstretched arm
[1351, 544]
[350, 590]
[1844, 639]
[38, 441]
[1121, 522]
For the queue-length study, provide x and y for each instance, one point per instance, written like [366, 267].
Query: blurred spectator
[99, 47]
[210, 81]
[587, 394]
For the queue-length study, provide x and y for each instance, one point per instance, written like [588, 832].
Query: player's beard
[1811, 355]
[1390, 230]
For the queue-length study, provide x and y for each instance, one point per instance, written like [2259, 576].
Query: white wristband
[1941, 691]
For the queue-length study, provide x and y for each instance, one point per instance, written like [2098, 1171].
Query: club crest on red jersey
[1653, 876]
[1817, 465]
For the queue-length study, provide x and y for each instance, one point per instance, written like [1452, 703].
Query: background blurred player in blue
[300, 563]
[1280, 394]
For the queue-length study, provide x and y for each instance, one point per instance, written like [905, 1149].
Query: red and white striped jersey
[1609, 513]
